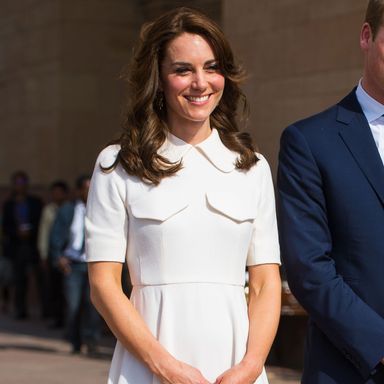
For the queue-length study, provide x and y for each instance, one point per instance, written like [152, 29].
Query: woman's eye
[213, 68]
[182, 70]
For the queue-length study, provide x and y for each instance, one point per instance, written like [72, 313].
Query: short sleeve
[106, 221]
[264, 247]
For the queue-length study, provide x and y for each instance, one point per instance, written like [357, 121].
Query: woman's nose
[199, 80]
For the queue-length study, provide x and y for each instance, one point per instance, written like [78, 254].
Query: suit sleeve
[306, 246]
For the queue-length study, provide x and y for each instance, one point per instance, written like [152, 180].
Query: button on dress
[187, 243]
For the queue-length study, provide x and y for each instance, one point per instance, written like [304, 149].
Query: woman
[186, 198]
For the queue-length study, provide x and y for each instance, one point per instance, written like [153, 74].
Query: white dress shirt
[373, 111]
[75, 248]
[45, 226]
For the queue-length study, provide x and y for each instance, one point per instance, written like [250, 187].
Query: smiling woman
[192, 84]
[187, 238]
[160, 63]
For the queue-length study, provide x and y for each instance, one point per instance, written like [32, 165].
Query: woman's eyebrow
[210, 61]
[186, 64]
[180, 63]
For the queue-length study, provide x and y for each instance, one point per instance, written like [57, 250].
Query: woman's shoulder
[261, 158]
[107, 167]
[108, 155]
[262, 166]
[108, 175]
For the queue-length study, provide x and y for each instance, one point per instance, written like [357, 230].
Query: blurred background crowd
[43, 252]
[43, 261]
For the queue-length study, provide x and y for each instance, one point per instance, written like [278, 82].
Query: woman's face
[191, 82]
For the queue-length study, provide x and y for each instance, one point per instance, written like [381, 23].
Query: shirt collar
[372, 108]
[212, 148]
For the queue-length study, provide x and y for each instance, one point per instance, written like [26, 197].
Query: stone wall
[61, 98]
[301, 56]
[29, 87]
[97, 38]
[60, 93]
[153, 8]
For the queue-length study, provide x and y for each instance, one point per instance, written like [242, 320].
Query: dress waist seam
[187, 283]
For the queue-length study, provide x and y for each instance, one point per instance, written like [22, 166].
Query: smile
[197, 99]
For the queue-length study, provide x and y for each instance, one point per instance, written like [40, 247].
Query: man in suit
[52, 276]
[68, 253]
[331, 206]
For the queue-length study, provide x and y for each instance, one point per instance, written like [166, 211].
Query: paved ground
[30, 353]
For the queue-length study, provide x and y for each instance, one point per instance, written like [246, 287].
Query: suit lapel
[357, 136]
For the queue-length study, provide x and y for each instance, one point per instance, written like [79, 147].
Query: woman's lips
[197, 99]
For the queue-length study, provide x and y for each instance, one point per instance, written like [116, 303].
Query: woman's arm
[130, 329]
[264, 313]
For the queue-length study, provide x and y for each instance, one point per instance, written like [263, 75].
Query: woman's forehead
[189, 46]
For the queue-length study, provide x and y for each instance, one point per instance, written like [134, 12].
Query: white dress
[187, 242]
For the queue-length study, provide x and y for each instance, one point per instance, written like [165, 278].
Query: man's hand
[64, 265]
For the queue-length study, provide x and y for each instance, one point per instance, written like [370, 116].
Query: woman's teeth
[197, 98]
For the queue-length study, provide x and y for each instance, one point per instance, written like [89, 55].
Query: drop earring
[160, 101]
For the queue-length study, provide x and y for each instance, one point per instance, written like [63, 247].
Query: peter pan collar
[217, 153]
[212, 148]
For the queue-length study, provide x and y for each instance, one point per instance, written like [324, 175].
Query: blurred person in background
[20, 223]
[68, 253]
[6, 276]
[53, 295]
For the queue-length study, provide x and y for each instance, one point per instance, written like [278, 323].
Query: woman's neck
[191, 133]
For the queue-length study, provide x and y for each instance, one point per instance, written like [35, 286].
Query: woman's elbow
[104, 282]
[95, 294]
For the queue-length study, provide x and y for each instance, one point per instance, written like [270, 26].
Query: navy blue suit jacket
[11, 239]
[331, 219]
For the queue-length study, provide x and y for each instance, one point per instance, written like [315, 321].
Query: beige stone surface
[301, 56]
[152, 9]
[60, 60]
[31, 353]
[59, 64]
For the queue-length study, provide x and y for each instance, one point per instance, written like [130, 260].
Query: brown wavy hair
[374, 15]
[144, 126]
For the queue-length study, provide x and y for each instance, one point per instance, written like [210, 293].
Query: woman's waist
[165, 274]
[189, 291]
[187, 283]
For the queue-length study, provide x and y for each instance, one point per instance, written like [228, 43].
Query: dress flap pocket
[237, 206]
[158, 204]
